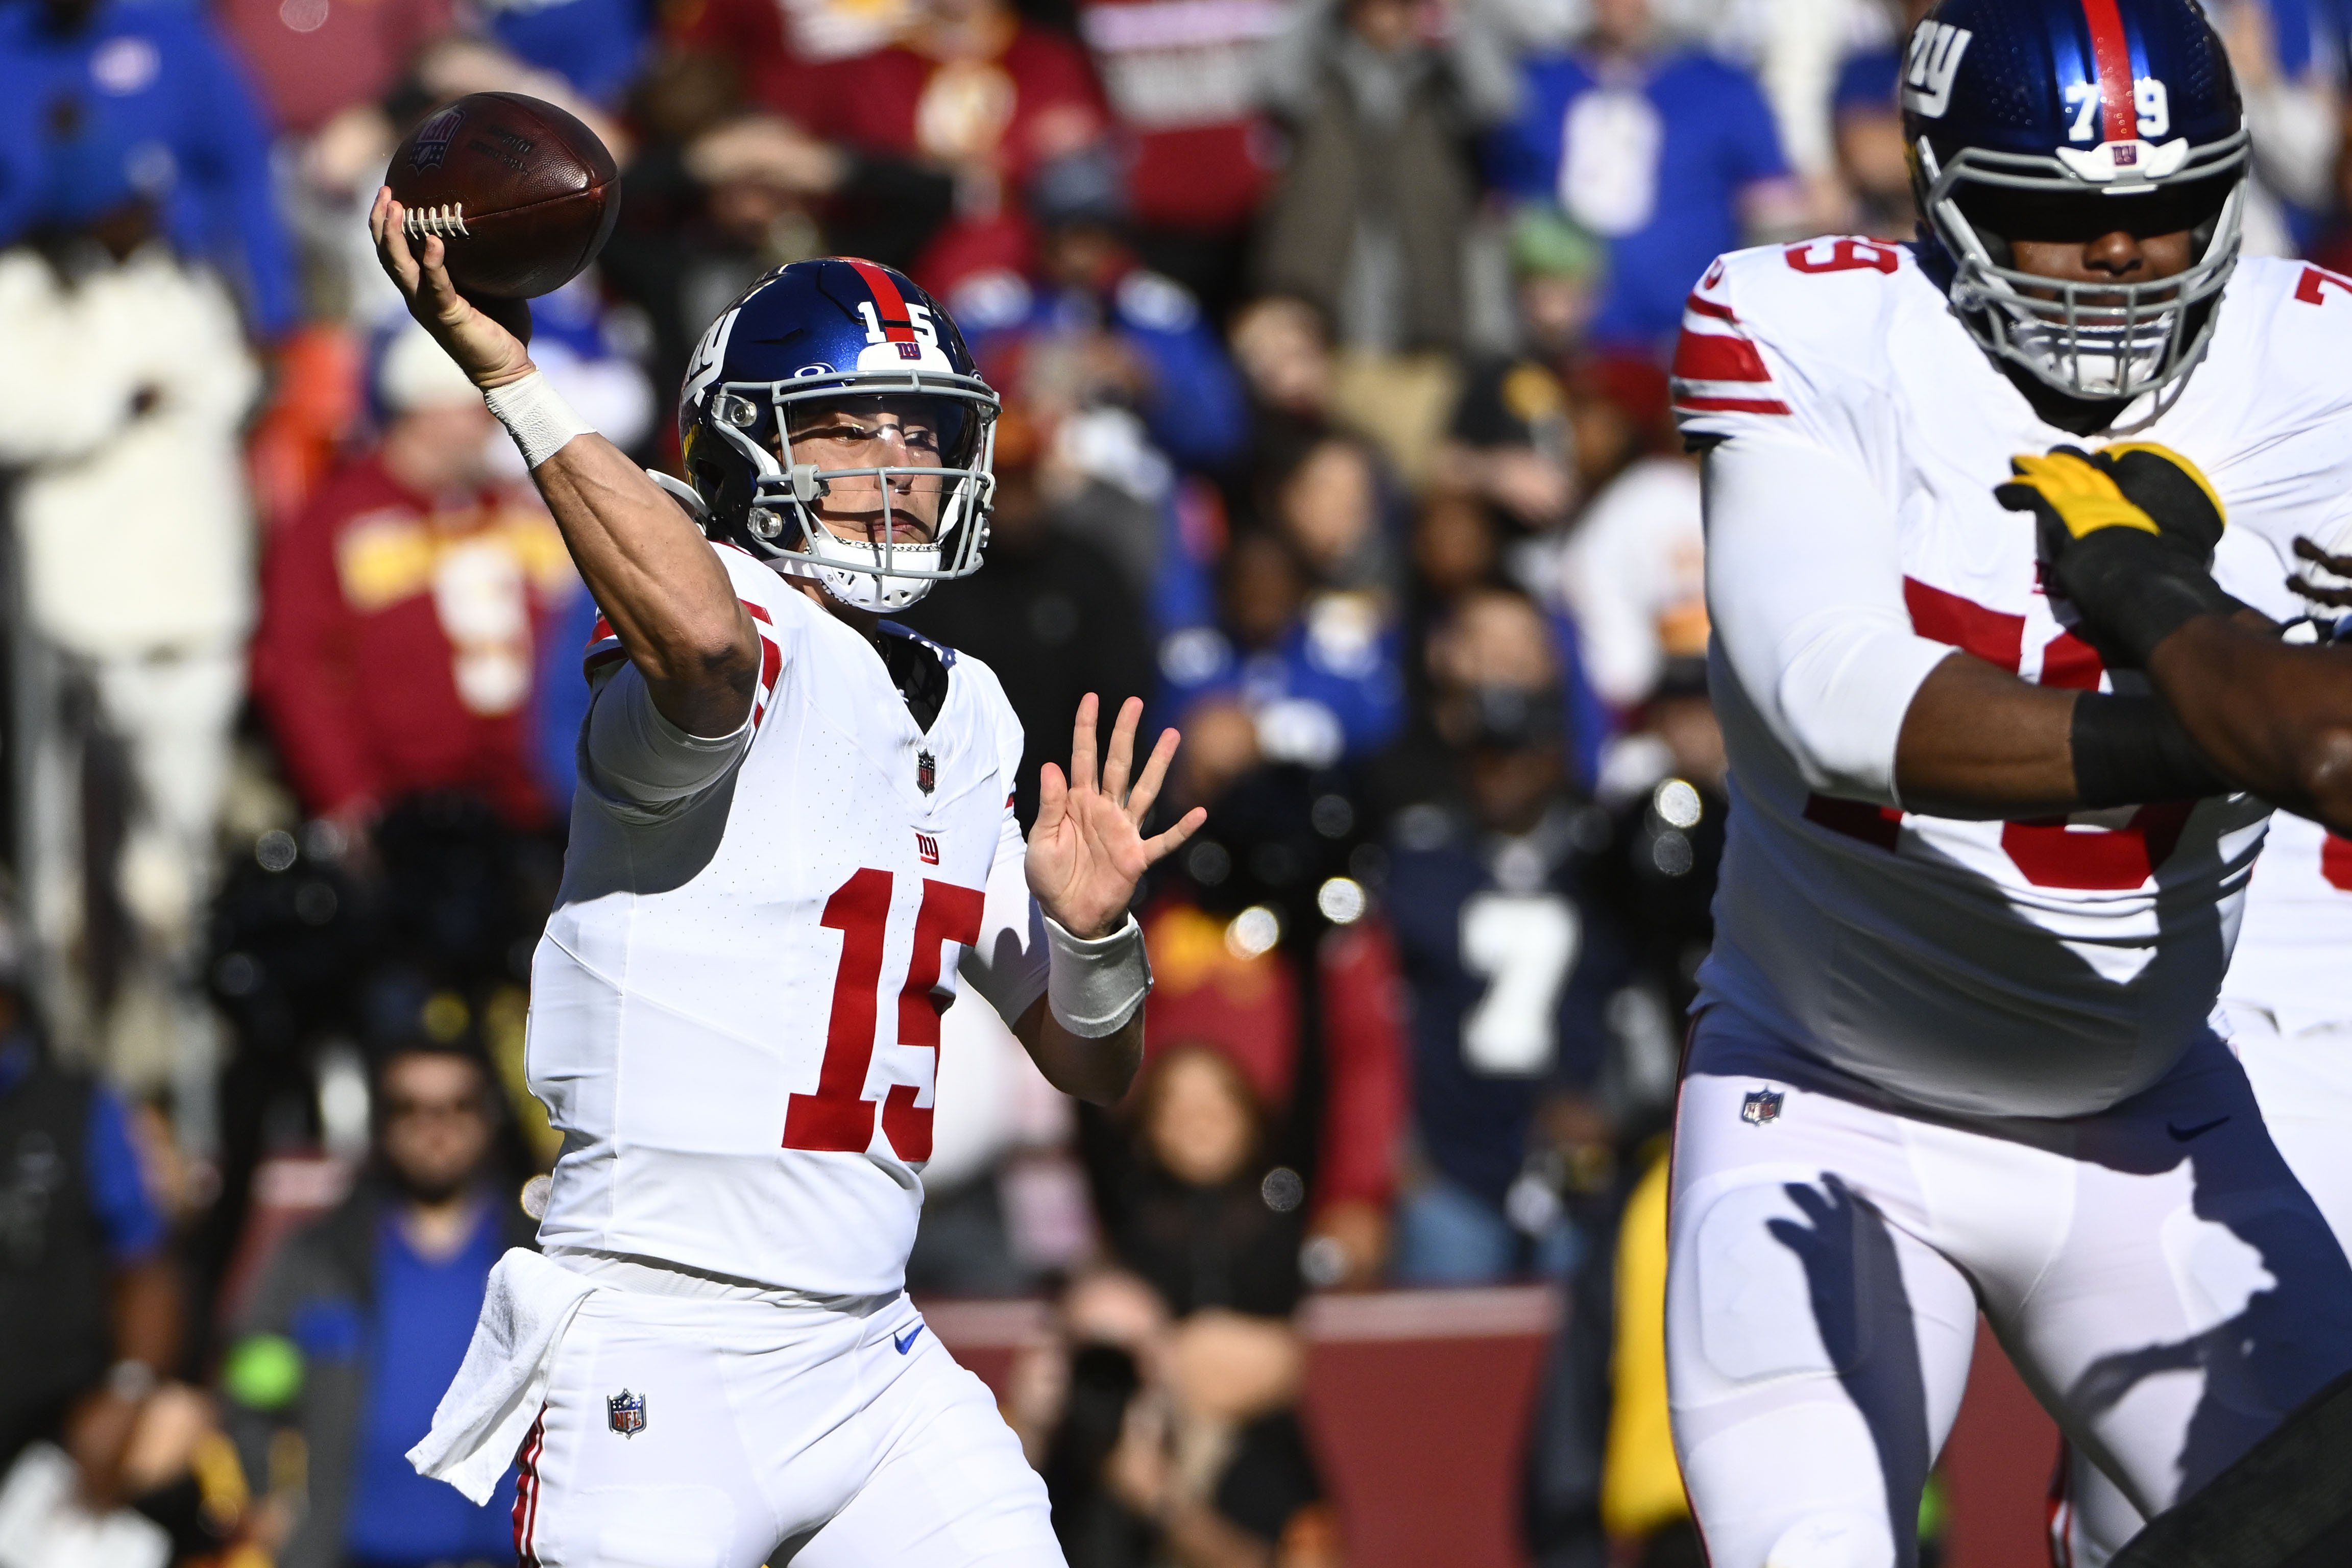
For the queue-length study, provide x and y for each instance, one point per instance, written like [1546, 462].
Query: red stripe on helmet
[2111, 50]
[898, 327]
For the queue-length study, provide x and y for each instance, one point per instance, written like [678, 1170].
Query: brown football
[522, 193]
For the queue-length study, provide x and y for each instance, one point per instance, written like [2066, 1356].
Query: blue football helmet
[832, 345]
[2065, 120]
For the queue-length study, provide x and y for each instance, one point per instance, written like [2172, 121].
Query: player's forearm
[2274, 717]
[654, 578]
[1098, 1070]
[1977, 742]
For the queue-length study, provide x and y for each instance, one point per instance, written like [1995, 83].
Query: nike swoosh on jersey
[2182, 1135]
[908, 1343]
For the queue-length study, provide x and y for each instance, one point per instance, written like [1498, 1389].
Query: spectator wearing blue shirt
[363, 1318]
[1152, 349]
[200, 145]
[90, 1301]
[1666, 152]
[1286, 678]
[597, 46]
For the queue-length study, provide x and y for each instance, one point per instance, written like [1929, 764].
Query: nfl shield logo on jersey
[626, 1412]
[1761, 1105]
[926, 772]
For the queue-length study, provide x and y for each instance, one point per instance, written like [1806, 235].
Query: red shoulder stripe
[1712, 356]
[1731, 406]
[1709, 307]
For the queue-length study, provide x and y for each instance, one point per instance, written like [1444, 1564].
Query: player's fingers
[1155, 773]
[392, 243]
[1053, 798]
[2339, 564]
[1082, 745]
[1120, 761]
[2341, 598]
[1161, 846]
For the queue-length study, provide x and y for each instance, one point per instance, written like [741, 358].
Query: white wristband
[1095, 987]
[536, 415]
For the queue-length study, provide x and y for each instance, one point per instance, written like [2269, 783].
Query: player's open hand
[484, 347]
[1088, 849]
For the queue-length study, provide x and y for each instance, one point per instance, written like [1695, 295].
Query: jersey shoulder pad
[2291, 320]
[1777, 335]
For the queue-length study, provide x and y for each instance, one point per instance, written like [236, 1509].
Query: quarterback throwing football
[1953, 1052]
[792, 835]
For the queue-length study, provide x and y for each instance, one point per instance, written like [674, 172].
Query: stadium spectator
[199, 147]
[400, 613]
[90, 1300]
[128, 378]
[1372, 221]
[1182, 81]
[977, 91]
[361, 1319]
[1280, 680]
[1141, 334]
[1510, 958]
[1664, 152]
[314, 59]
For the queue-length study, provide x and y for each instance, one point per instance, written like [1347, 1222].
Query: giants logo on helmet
[1935, 51]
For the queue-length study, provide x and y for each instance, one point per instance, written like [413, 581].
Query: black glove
[2135, 573]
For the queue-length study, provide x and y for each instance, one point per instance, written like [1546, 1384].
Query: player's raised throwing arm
[647, 566]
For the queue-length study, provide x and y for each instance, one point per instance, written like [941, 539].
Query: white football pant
[2302, 1083]
[2159, 1277]
[770, 1434]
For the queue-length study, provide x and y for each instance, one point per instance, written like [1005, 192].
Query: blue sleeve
[595, 45]
[1750, 135]
[560, 701]
[1867, 80]
[228, 160]
[1522, 155]
[117, 1188]
[1185, 589]
[1370, 706]
[1197, 415]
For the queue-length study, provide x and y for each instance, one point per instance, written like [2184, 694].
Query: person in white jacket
[129, 378]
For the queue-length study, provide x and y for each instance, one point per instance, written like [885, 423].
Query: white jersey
[2045, 967]
[2294, 960]
[735, 1008]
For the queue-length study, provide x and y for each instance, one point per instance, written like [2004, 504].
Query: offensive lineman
[1951, 1049]
[793, 830]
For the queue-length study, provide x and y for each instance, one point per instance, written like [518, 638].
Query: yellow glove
[2069, 491]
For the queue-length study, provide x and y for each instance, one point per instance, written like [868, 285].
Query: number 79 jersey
[2039, 968]
[735, 1008]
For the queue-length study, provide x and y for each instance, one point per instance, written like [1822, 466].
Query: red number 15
[838, 1116]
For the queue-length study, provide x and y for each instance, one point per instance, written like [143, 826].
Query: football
[522, 193]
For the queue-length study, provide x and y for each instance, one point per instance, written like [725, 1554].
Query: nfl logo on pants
[626, 1412]
[1761, 1105]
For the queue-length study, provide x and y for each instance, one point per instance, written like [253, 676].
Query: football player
[793, 834]
[1951, 1052]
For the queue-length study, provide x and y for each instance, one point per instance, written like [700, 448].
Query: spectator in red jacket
[399, 613]
[973, 90]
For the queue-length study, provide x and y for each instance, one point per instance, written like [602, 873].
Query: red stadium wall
[1418, 1403]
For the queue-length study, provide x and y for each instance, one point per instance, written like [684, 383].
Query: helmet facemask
[944, 503]
[2093, 342]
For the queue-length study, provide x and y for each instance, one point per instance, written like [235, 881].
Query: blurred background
[1334, 338]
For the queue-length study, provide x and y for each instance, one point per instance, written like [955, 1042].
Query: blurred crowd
[1335, 339]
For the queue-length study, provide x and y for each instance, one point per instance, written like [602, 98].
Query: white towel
[502, 1382]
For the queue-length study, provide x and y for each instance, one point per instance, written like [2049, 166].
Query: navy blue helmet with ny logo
[848, 351]
[2067, 120]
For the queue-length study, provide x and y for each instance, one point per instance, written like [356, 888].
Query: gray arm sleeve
[632, 754]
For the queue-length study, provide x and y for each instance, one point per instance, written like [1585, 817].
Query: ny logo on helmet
[1935, 60]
